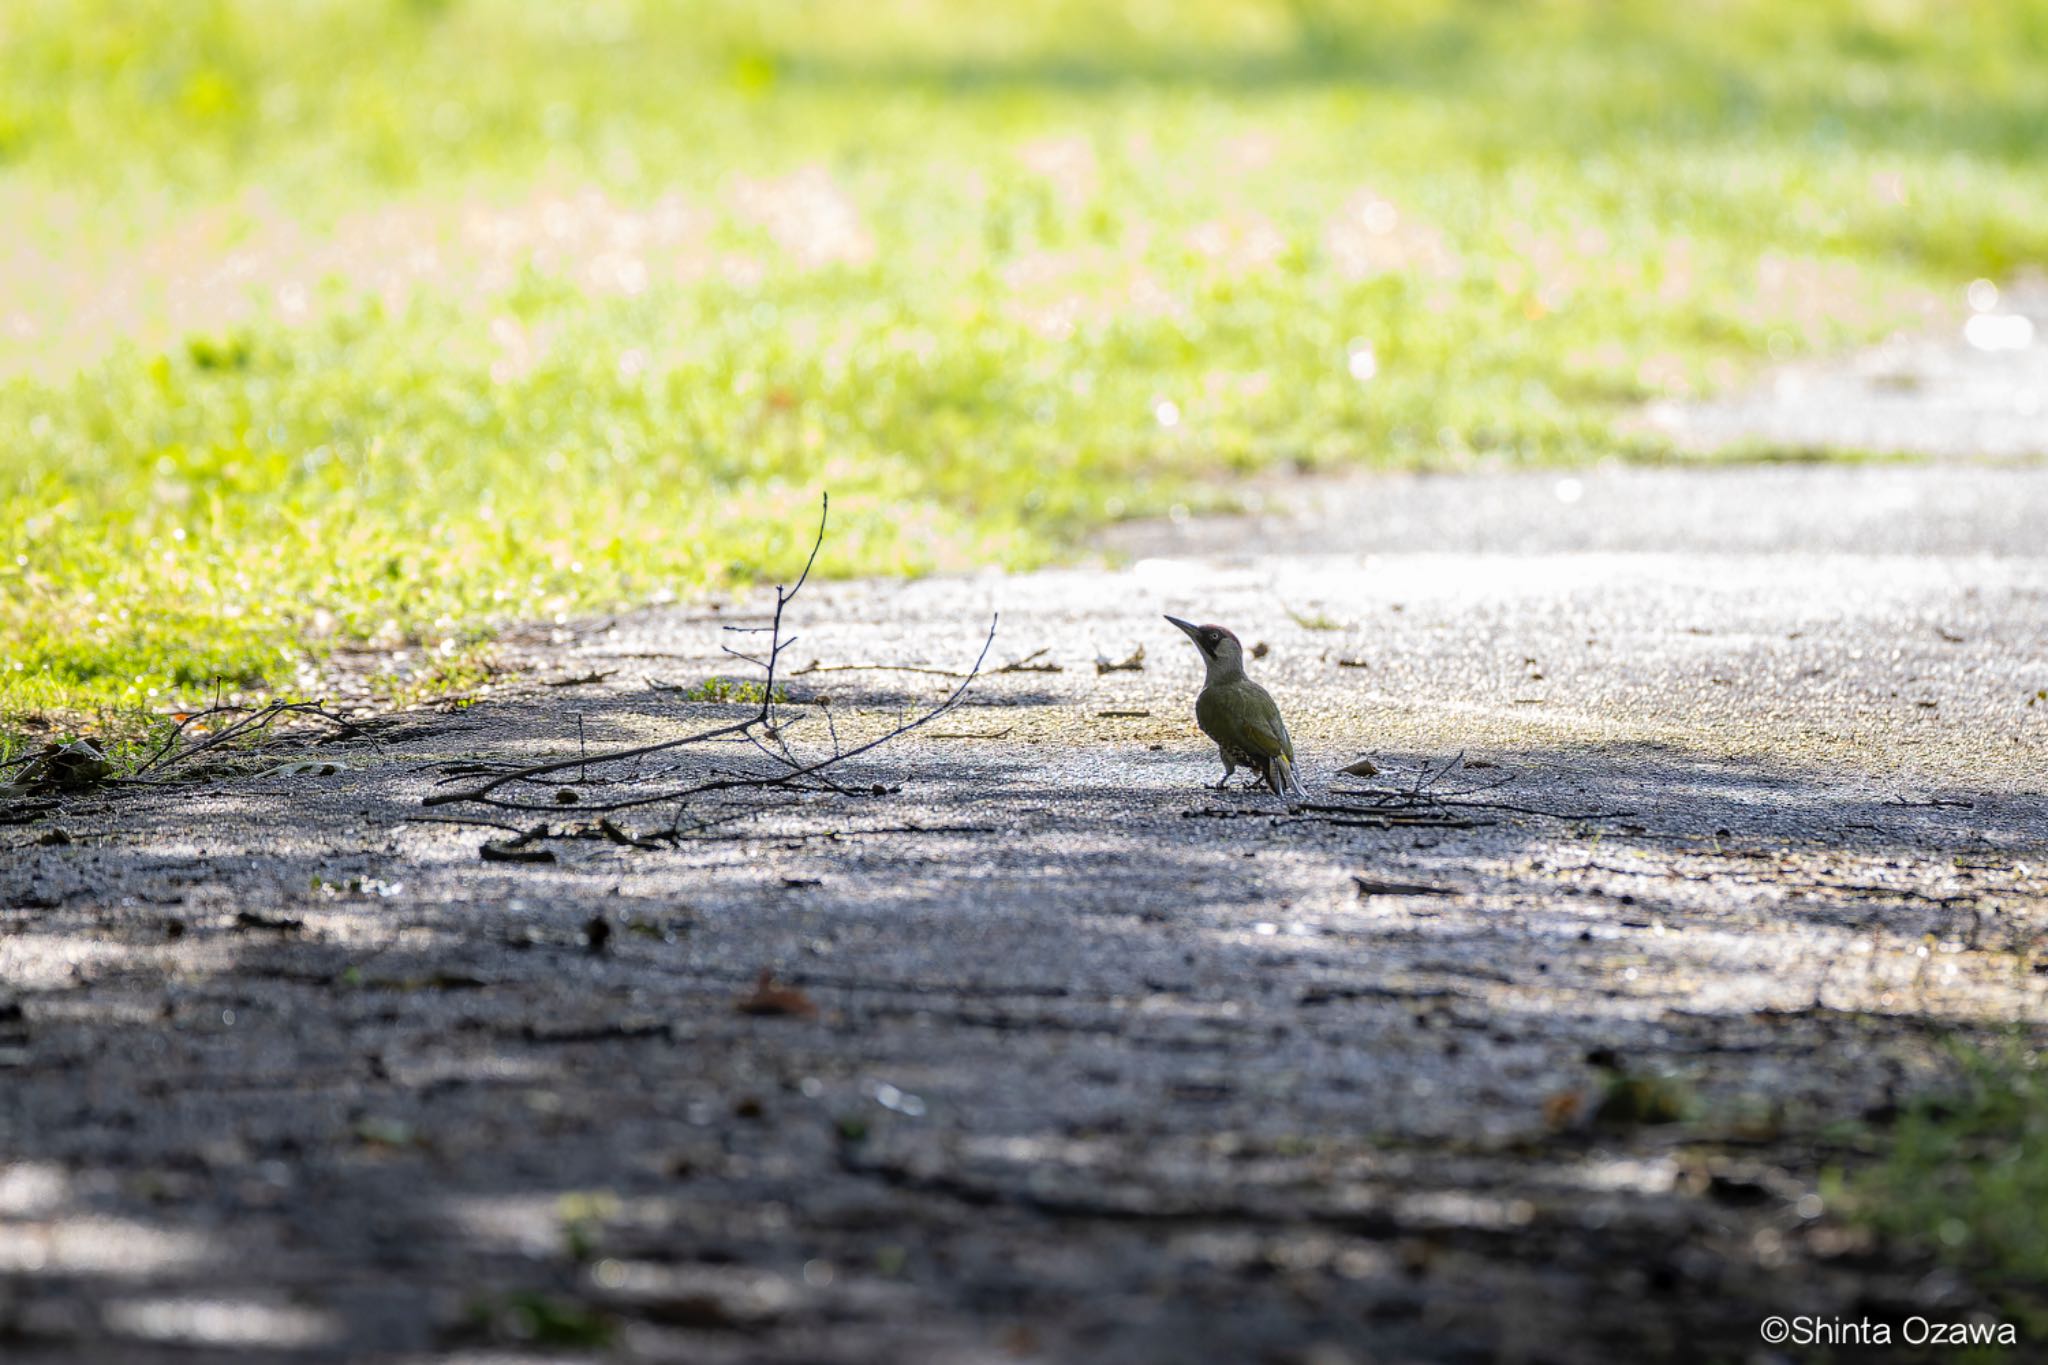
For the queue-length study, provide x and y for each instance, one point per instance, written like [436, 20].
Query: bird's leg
[1223, 782]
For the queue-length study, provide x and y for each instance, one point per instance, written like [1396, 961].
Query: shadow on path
[1144, 1075]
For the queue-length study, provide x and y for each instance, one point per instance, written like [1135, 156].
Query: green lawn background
[393, 320]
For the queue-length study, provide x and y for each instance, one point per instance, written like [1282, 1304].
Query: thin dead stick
[1026, 664]
[1415, 796]
[798, 836]
[561, 765]
[783, 597]
[252, 721]
[624, 837]
[1457, 803]
[815, 667]
[763, 725]
[462, 820]
[781, 754]
[788, 779]
[1545, 814]
[1387, 822]
[676, 834]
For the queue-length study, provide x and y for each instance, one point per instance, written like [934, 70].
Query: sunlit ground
[390, 321]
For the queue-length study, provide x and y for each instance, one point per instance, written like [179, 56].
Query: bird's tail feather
[1285, 783]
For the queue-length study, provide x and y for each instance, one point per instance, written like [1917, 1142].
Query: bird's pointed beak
[1194, 632]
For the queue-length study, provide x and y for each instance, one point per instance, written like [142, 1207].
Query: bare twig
[764, 731]
[788, 778]
[676, 834]
[763, 717]
[834, 835]
[249, 721]
[1365, 820]
[463, 820]
[1028, 664]
[814, 666]
[1424, 793]
[625, 837]
[1462, 804]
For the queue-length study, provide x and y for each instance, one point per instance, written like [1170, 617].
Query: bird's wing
[1262, 738]
[1264, 731]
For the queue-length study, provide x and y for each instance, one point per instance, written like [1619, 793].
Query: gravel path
[1104, 1066]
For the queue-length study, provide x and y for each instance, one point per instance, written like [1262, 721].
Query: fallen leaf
[1364, 767]
[515, 851]
[307, 768]
[771, 999]
[74, 767]
[379, 1132]
[249, 919]
[1369, 886]
[1031, 663]
[1561, 1110]
[1631, 1100]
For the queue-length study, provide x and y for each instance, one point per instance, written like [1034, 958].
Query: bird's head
[1221, 652]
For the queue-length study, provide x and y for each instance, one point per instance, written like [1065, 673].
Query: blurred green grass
[395, 319]
[1963, 1178]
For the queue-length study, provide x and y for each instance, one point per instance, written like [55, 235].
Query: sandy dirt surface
[1104, 1066]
